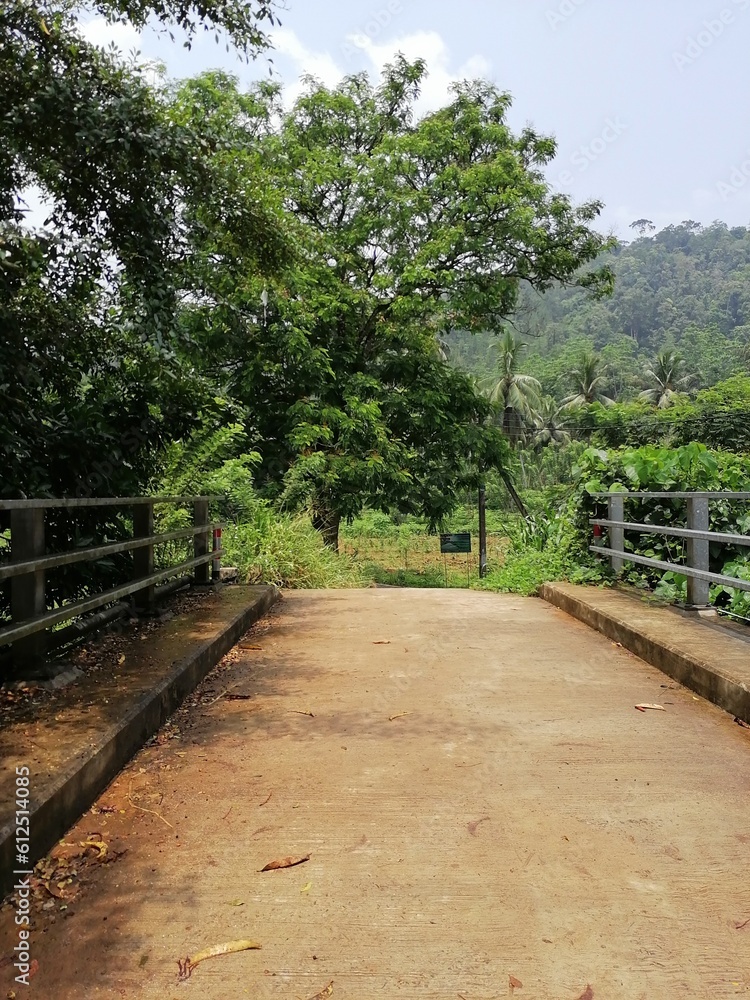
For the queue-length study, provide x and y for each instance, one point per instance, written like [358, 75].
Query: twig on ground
[144, 809]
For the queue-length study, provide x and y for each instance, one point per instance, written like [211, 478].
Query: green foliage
[654, 469]
[265, 545]
[718, 417]
[668, 379]
[545, 548]
[683, 278]
[588, 380]
[287, 551]
[404, 228]
[515, 395]
[684, 289]
[88, 304]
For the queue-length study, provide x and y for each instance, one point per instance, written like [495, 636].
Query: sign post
[452, 544]
[482, 532]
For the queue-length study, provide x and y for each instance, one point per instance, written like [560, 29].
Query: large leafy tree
[91, 383]
[405, 228]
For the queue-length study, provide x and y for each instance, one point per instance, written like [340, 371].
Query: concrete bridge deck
[482, 805]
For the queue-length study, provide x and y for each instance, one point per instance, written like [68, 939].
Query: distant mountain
[687, 287]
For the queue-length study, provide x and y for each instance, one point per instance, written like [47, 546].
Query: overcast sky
[648, 99]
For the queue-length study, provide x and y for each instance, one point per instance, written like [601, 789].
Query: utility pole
[482, 533]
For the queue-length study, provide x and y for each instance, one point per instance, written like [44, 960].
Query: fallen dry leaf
[741, 722]
[306, 888]
[744, 923]
[515, 984]
[294, 711]
[187, 965]
[99, 845]
[398, 715]
[327, 992]
[285, 863]
[472, 827]
[267, 799]
[588, 994]
[379, 642]
[646, 705]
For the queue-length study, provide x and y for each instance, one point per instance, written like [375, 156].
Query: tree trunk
[327, 523]
[511, 489]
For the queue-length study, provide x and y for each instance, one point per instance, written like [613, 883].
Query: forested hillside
[686, 287]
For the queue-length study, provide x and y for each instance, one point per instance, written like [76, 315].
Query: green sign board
[456, 543]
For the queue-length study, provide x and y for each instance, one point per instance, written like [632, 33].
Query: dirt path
[478, 796]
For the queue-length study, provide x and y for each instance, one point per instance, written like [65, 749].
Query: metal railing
[697, 533]
[30, 619]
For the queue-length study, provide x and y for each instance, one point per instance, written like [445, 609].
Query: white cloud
[306, 62]
[427, 45]
[99, 31]
[431, 47]
[127, 40]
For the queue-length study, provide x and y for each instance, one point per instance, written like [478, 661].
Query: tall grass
[287, 551]
[265, 545]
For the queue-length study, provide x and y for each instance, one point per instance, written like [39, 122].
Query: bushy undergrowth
[655, 469]
[286, 551]
[550, 545]
[265, 545]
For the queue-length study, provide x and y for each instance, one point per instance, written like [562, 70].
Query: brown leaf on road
[267, 799]
[515, 984]
[646, 705]
[187, 964]
[744, 923]
[294, 711]
[285, 863]
[588, 994]
[398, 715]
[379, 642]
[327, 992]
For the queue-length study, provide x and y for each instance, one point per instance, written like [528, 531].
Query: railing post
[202, 542]
[616, 535]
[27, 598]
[143, 558]
[698, 591]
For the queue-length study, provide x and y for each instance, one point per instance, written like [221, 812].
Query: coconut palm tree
[669, 379]
[588, 379]
[514, 393]
[548, 424]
